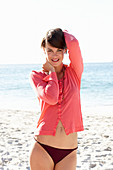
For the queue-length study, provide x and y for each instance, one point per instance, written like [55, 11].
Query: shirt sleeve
[46, 88]
[76, 61]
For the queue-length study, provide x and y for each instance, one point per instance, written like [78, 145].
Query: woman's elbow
[52, 100]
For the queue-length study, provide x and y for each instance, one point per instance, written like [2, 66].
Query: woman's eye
[59, 50]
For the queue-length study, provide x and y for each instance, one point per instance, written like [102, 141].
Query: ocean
[17, 93]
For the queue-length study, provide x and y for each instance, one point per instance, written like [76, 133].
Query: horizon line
[96, 62]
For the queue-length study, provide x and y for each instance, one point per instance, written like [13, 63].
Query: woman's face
[54, 55]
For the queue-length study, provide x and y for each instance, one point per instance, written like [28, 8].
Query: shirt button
[60, 90]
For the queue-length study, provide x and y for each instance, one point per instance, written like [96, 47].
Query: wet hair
[55, 37]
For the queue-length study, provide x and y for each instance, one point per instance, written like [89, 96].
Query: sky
[23, 24]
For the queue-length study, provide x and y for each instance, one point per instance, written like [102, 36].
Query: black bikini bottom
[56, 153]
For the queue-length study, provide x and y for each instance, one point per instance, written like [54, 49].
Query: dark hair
[55, 37]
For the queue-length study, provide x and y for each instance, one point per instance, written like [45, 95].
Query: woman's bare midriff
[60, 140]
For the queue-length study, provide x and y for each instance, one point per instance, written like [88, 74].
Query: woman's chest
[68, 86]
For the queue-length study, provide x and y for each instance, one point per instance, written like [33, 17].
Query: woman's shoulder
[70, 71]
[68, 67]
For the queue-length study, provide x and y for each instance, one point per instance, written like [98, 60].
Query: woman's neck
[58, 69]
[60, 72]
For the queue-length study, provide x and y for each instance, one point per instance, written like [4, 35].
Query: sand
[16, 136]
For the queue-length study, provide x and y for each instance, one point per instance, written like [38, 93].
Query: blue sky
[25, 22]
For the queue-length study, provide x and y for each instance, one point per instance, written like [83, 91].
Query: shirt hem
[53, 132]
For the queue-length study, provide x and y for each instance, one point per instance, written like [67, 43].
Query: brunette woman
[58, 90]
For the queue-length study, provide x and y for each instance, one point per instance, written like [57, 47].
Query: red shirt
[49, 91]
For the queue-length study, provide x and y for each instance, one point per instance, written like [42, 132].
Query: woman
[58, 90]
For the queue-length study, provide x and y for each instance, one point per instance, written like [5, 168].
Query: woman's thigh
[68, 163]
[40, 159]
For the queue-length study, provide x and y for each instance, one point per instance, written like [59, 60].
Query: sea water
[17, 93]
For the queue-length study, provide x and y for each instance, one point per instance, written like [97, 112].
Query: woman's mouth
[55, 60]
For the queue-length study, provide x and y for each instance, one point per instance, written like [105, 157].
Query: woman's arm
[46, 88]
[75, 57]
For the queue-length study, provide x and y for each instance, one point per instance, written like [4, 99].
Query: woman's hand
[47, 67]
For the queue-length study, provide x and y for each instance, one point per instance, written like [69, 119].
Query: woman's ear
[65, 51]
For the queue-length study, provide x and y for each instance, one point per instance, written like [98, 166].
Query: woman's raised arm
[76, 61]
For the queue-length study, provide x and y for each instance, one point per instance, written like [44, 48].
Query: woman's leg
[40, 159]
[68, 163]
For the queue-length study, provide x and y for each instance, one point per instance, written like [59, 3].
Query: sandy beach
[95, 143]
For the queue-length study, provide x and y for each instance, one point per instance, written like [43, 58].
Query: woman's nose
[55, 53]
